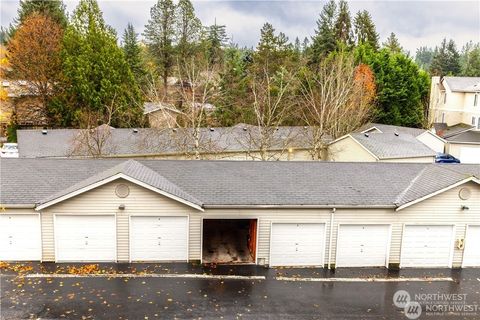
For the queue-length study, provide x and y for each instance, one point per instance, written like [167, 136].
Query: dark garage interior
[229, 240]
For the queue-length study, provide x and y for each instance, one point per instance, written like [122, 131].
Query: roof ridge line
[410, 185]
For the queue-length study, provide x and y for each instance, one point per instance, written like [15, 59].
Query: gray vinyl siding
[444, 208]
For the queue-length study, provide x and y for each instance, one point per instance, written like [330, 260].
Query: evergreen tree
[273, 51]
[343, 24]
[160, 36]
[393, 44]
[55, 9]
[423, 57]
[402, 88]
[99, 82]
[189, 29]
[470, 60]
[324, 42]
[446, 59]
[216, 40]
[133, 52]
[365, 32]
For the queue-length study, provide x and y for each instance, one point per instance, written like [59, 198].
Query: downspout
[330, 240]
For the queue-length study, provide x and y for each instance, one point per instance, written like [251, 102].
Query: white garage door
[20, 237]
[471, 255]
[85, 238]
[297, 244]
[158, 238]
[362, 245]
[427, 246]
[469, 155]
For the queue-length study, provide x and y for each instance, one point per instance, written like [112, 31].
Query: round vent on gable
[122, 190]
[464, 193]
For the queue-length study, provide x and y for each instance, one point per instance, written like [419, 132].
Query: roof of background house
[149, 107]
[463, 84]
[392, 146]
[445, 131]
[471, 136]
[238, 183]
[386, 128]
[152, 141]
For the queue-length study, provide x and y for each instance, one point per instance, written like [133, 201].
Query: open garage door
[363, 245]
[471, 255]
[427, 246]
[158, 238]
[85, 238]
[229, 241]
[20, 238]
[297, 244]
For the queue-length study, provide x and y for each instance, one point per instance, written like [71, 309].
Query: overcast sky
[416, 23]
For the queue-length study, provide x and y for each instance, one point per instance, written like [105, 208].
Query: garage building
[318, 214]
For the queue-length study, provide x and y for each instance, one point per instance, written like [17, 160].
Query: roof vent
[366, 135]
[44, 131]
[305, 128]
[135, 130]
[396, 134]
[212, 129]
[244, 128]
[174, 129]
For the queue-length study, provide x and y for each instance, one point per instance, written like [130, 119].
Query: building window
[478, 123]
[443, 117]
[475, 100]
[445, 98]
[473, 121]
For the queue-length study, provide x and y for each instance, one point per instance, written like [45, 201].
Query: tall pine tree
[324, 42]
[393, 44]
[365, 32]
[343, 24]
[133, 52]
[160, 36]
[446, 59]
[189, 29]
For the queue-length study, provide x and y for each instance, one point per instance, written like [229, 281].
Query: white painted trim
[157, 216]
[113, 178]
[408, 204]
[389, 240]
[372, 128]
[55, 238]
[229, 217]
[330, 239]
[452, 244]
[41, 236]
[241, 206]
[467, 229]
[298, 222]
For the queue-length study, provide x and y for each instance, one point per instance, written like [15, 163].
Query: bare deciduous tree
[337, 99]
[272, 102]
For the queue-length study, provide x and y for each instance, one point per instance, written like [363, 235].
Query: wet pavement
[113, 296]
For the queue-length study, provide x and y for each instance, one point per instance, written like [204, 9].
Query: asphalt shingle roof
[386, 128]
[238, 183]
[463, 84]
[389, 145]
[471, 136]
[62, 143]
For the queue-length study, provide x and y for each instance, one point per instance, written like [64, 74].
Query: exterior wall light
[121, 207]
[463, 207]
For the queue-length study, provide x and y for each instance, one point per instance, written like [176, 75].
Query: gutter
[273, 206]
[17, 206]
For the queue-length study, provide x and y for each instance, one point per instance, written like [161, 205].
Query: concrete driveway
[184, 291]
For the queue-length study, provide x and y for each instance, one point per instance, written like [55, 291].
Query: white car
[9, 150]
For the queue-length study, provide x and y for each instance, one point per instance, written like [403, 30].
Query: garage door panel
[427, 246]
[85, 238]
[297, 244]
[159, 238]
[471, 256]
[362, 245]
[20, 238]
